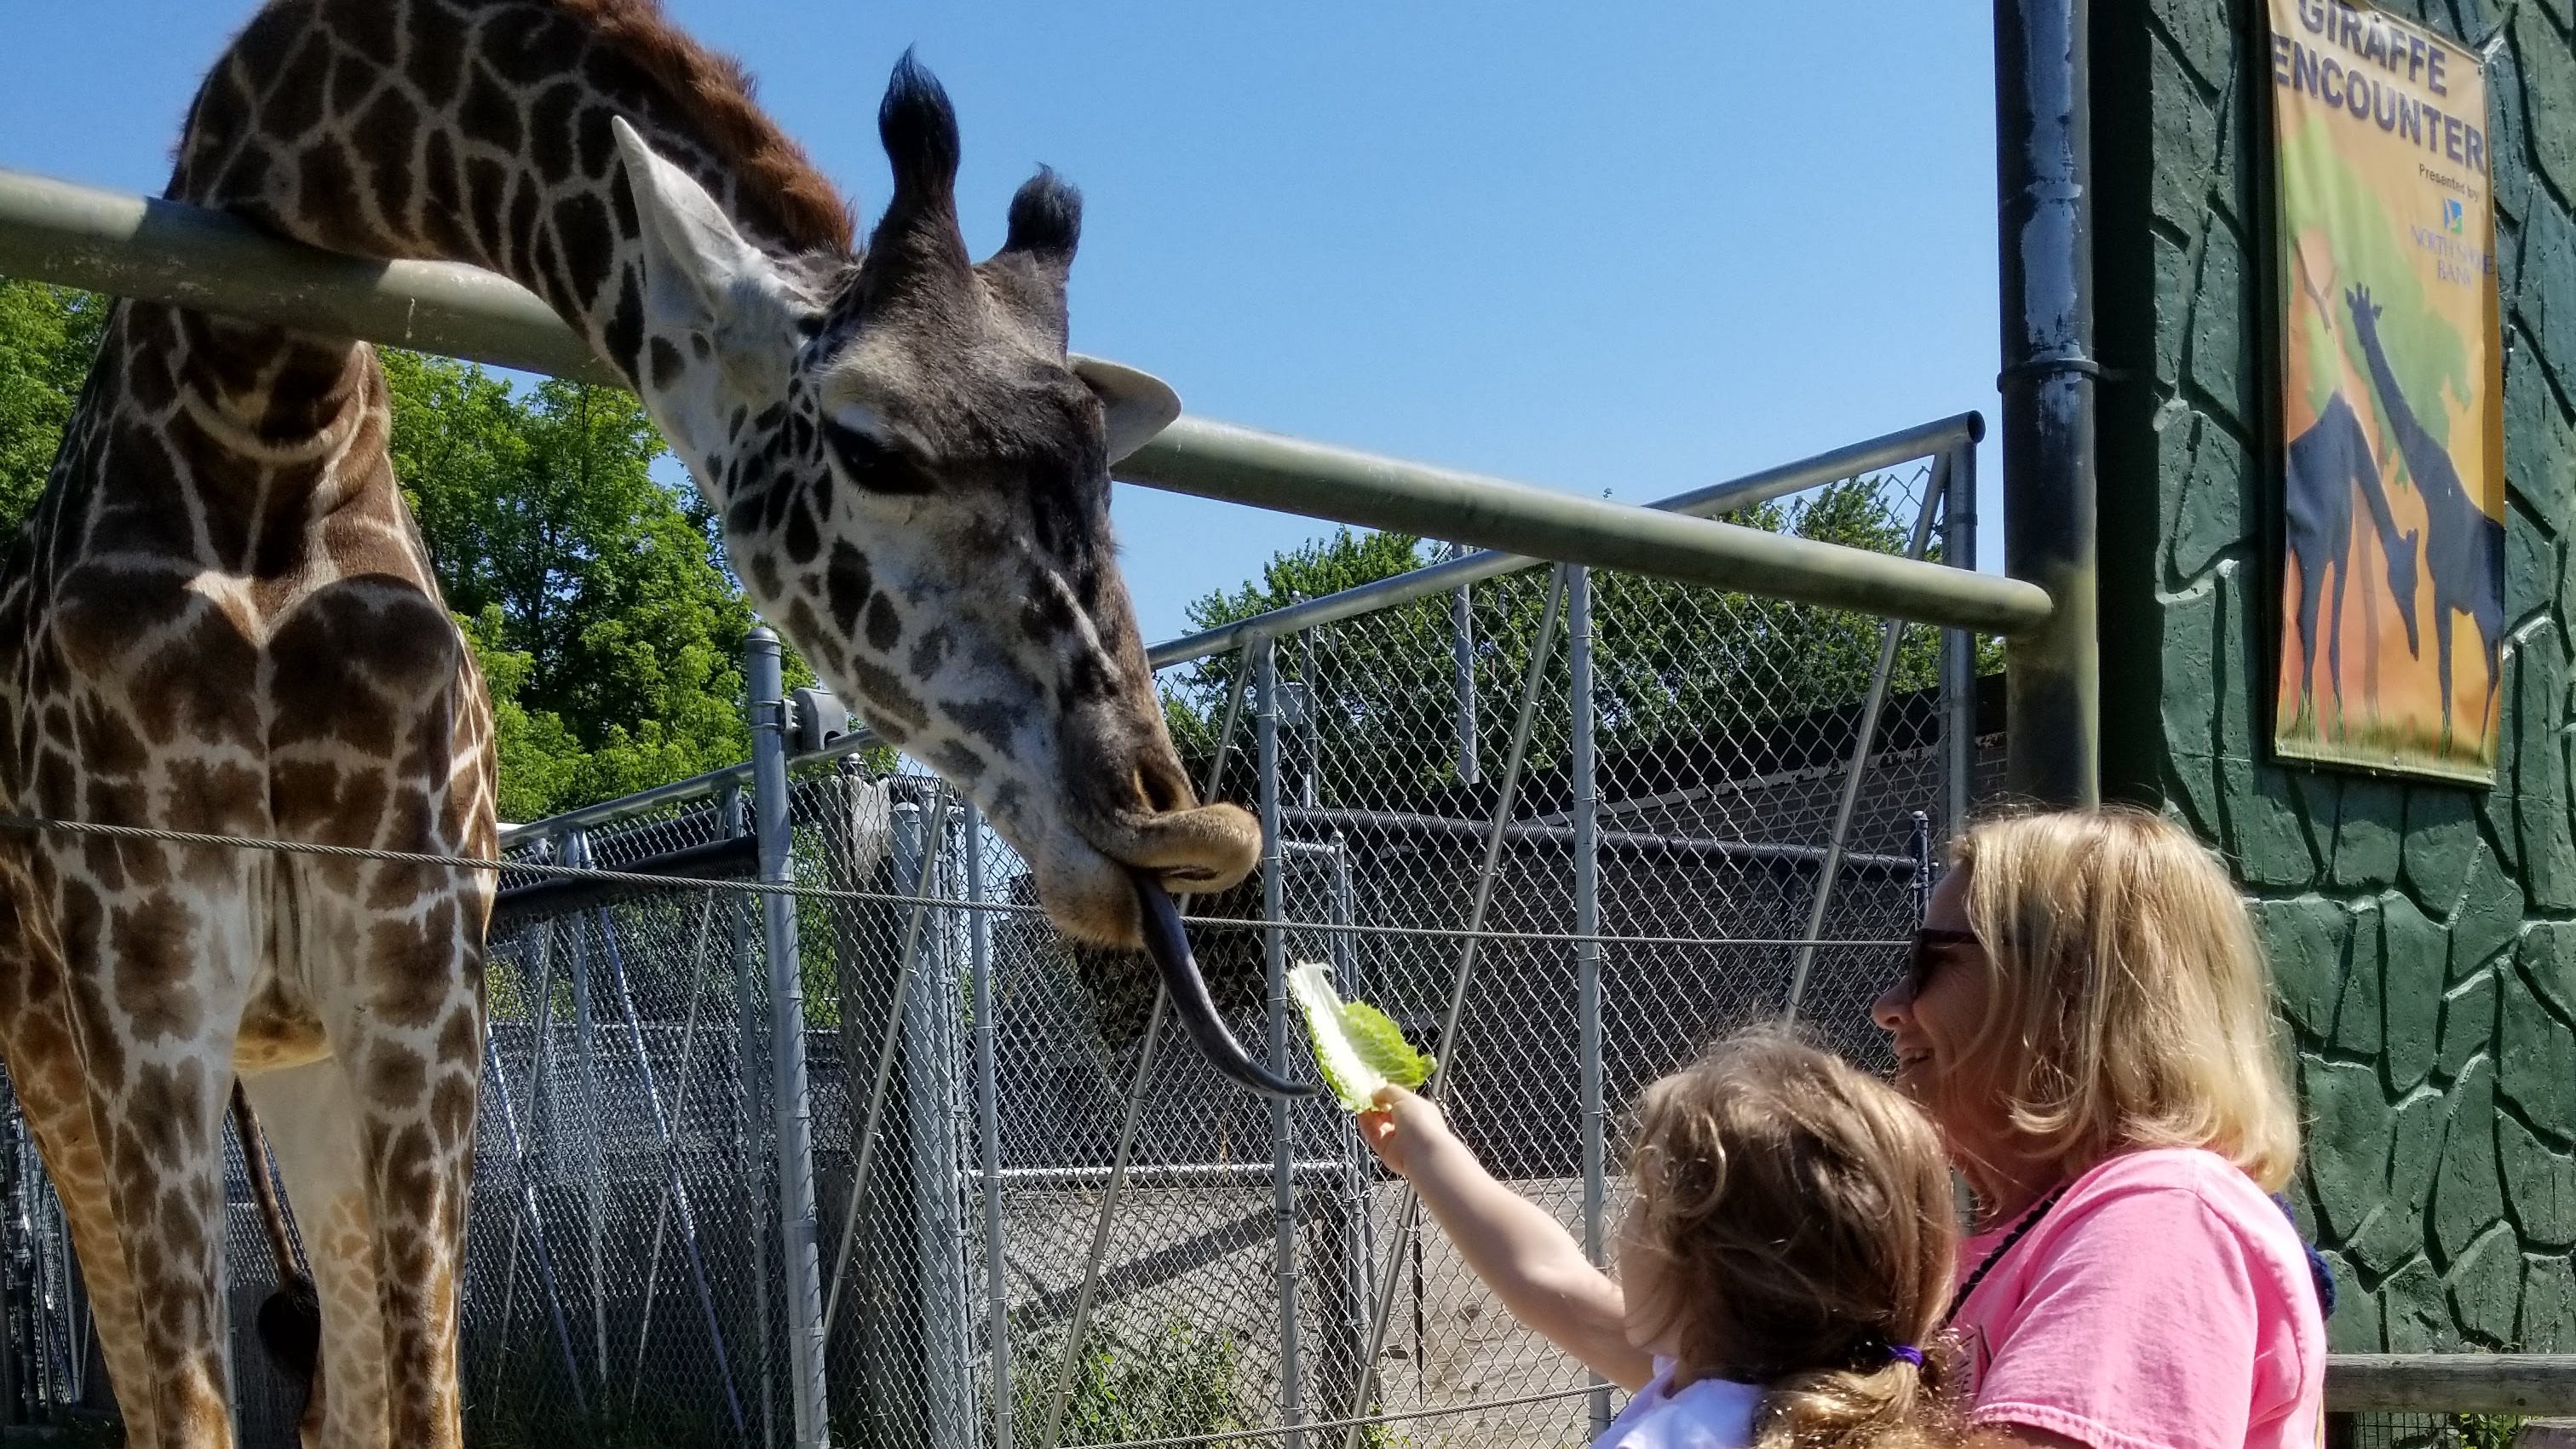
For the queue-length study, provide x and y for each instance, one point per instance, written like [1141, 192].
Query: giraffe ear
[1138, 404]
[698, 270]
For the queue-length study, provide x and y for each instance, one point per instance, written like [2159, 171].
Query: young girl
[1785, 1257]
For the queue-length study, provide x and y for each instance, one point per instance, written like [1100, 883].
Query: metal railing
[157, 250]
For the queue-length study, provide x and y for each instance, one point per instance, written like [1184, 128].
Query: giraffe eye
[868, 462]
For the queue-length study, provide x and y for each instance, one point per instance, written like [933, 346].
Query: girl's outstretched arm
[1522, 1252]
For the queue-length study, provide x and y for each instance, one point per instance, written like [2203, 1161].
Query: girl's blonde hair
[1796, 1219]
[2128, 1003]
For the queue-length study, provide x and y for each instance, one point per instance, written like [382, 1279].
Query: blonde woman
[1784, 1258]
[2088, 1021]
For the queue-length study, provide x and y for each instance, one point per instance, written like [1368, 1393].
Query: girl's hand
[1402, 1129]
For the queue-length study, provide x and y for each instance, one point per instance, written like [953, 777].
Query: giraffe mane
[717, 94]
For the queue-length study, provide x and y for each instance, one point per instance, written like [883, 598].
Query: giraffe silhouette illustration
[2324, 467]
[2463, 546]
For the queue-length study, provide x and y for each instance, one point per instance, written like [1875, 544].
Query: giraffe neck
[2374, 496]
[2423, 461]
[478, 131]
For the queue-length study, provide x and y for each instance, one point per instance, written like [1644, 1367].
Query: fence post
[1283, 1143]
[988, 1114]
[1587, 929]
[594, 1163]
[746, 1134]
[792, 1106]
[1462, 632]
[929, 1063]
[1959, 648]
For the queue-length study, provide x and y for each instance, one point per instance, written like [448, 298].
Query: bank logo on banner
[2392, 449]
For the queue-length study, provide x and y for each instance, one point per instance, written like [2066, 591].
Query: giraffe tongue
[1169, 945]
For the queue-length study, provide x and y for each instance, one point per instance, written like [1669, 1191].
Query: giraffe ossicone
[220, 619]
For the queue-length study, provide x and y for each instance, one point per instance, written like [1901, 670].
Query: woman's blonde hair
[2128, 1002]
[1796, 1218]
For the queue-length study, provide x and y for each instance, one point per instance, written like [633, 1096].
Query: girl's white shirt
[1708, 1414]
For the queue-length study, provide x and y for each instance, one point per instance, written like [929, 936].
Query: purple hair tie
[1907, 1352]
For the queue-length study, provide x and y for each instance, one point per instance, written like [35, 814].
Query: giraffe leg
[401, 993]
[2334, 638]
[45, 1071]
[165, 938]
[313, 1132]
[57, 1111]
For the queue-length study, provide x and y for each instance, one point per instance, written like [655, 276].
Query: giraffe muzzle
[1169, 944]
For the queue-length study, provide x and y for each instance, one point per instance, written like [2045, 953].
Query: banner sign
[2392, 579]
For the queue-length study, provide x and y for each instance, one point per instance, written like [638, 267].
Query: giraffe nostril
[1156, 792]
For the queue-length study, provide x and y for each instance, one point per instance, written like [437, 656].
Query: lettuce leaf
[1359, 1047]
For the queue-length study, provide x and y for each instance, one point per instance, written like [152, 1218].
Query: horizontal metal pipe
[167, 251]
[2451, 1383]
[1850, 461]
[1180, 1174]
[164, 251]
[1240, 465]
[1399, 822]
[736, 857]
[1845, 462]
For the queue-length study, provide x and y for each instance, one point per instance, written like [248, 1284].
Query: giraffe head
[914, 485]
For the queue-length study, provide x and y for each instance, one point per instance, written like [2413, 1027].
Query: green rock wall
[2424, 936]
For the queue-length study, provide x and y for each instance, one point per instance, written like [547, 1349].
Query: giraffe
[220, 618]
[2463, 545]
[2322, 468]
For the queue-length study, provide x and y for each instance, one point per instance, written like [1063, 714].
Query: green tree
[47, 337]
[593, 593]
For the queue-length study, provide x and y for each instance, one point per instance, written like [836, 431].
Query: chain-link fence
[889, 1161]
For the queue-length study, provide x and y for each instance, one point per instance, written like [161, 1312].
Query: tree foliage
[47, 337]
[594, 594]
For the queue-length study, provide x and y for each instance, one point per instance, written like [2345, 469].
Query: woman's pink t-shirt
[2163, 1303]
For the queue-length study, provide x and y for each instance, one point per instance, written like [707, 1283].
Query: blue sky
[1609, 248]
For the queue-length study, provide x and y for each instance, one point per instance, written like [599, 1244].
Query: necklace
[2028, 1221]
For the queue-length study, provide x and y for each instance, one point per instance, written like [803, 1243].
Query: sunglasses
[1931, 946]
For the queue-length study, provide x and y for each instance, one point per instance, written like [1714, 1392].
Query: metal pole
[2043, 151]
[79, 236]
[931, 1065]
[1283, 1183]
[585, 1041]
[1959, 646]
[997, 1288]
[791, 1103]
[1922, 850]
[1355, 1289]
[925, 856]
[1891, 634]
[748, 1162]
[1462, 650]
[1542, 643]
[1587, 926]
[1080, 1321]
